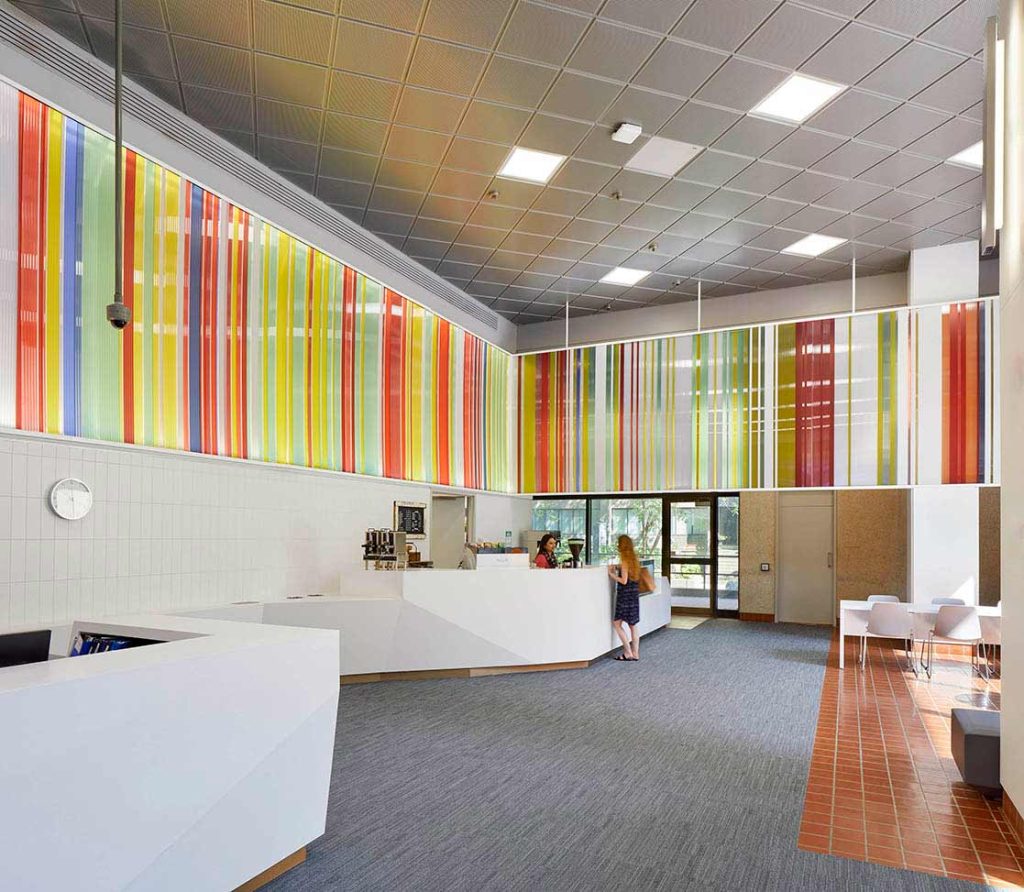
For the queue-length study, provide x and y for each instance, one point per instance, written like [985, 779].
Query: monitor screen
[19, 648]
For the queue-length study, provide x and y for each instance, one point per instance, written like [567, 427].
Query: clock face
[70, 499]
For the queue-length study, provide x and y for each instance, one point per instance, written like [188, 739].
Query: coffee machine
[576, 547]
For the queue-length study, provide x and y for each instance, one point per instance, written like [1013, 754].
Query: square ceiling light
[796, 99]
[623, 275]
[972, 156]
[813, 245]
[530, 165]
[663, 157]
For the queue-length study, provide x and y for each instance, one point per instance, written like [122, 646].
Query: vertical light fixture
[992, 202]
[698, 306]
[853, 284]
[118, 313]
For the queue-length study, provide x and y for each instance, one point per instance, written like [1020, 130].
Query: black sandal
[622, 658]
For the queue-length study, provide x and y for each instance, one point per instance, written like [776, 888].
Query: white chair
[955, 624]
[883, 599]
[955, 601]
[889, 620]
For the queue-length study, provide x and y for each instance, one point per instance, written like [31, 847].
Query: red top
[546, 561]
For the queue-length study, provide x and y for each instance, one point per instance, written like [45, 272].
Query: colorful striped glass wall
[244, 341]
[901, 397]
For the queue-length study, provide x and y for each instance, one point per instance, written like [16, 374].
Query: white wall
[820, 299]
[175, 530]
[493, 514]
[943, 273]
[942, 543]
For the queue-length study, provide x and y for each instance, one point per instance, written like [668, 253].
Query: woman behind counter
[546, 559]
[627, 599]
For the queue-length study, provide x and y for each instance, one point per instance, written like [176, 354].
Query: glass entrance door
[702, 568]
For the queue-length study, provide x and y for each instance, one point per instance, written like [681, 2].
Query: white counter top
[194, 764]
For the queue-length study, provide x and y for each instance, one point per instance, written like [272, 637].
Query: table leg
[842, 639]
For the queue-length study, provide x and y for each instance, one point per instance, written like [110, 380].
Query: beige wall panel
[757, 546]
[989, 589]
[871, 543]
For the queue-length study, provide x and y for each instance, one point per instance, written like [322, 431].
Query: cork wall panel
[871, 543]
[988, 545]
[757, 546]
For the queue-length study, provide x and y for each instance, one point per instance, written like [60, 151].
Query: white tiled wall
[170, 531]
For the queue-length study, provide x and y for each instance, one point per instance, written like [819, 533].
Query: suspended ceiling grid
[398, 113]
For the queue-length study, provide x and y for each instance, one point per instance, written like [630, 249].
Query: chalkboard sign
[411, 519]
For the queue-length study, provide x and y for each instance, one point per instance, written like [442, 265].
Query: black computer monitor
[19, 648]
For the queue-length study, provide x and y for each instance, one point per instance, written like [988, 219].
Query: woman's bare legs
[620, 630]
[635, 642]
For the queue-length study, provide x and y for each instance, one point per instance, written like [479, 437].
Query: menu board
[411, 519]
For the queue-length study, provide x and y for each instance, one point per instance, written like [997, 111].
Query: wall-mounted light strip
[995, 111]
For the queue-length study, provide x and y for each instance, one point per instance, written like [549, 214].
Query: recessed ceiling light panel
[972, 156]
[664, 157]
[813, 245]
[530, 165]
[627, 133]
[796, 99]
[623, 275]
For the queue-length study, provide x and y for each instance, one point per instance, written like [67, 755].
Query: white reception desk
[424, 620]
[193, 764]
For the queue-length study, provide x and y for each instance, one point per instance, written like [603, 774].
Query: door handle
[830, 560]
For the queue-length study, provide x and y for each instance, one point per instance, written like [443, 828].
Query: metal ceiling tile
[539, 223]
[763, 177]
[429, 110]
[976, 112]
[727, 203]
[599, 146]
[850, 227]
[223, 22]
[669, 245]
[971, 192]
[145, 52]
[747, 256]
[302, 180]
[852, 159]
[167, 90]
[964, 223]
[897, 169]
[698, 124]
[755, 278]
[542, 34]
[611, 51]
[442, 66]
[902, 126]
[453, 269]
[606, 255]
[634, 185]
[887, 233]
[608, 210]
[710, 251]
[401, 201]
[680, 195]
[343, 164]
[515, 193]
[560, 201]
[216, 108]
[939, 180]
[367, 49]
[776, 239]
[457, 184]
[948, 139]
[931, 213]
[740, 84]
[591, 231]
[632, 239]
[649, 110]
[812, 219]
[481, 237]
[590, 272]
[282, 30]
[957, 91]
[340, 131]
[485, 120]
[367, 97]
[695, 225]
[753, 136]
[907, 17]
[213, 65]
[295, 82]
[566, 249]
[654, 15]
[472, 22]
[654, 218]
[770, 211]
[723, 24]
[550, 266]
[473, 155]
[852, 53]
[781, 263]
[684, 267]
[911, 70]
[422, 248]
[851, 112]
[61, 18]
[714, 168]
[579, 96]
[679, 68]
[511, 260]
[891, 205]
[803, 148]
[402, 14]
[524, 242]
[531, 278]
[344, 192]
[790, 36]
[439, 230]
[963, 28]
[928, 238]
[552, 134]
[807, 187]
[585, 176]
[452, 210]
[851, 195]
[283, 154]
[736, 232]
[516, 82]
[819, 268]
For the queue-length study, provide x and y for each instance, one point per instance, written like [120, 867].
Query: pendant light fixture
[119, 314]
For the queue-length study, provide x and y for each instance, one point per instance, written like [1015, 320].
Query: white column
[1011, 284]
[943, 273]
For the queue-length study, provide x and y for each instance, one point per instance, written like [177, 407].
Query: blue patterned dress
[627, 602]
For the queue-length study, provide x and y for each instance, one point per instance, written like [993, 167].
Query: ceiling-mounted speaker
[995, 111]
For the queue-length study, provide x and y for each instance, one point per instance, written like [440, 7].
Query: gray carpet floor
[683, 771]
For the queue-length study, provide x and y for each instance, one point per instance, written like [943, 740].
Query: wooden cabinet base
[274, 871]
[426, 674]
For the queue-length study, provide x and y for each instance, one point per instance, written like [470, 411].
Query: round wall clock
[70, 499]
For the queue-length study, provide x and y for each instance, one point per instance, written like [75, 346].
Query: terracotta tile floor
[883, 786]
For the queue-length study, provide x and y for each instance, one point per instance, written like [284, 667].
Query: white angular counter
[423, 620]
[192, 764]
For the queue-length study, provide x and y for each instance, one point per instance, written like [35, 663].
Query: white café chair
[883, 599]
[890, 620]
[955, 624]
[956, 601]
